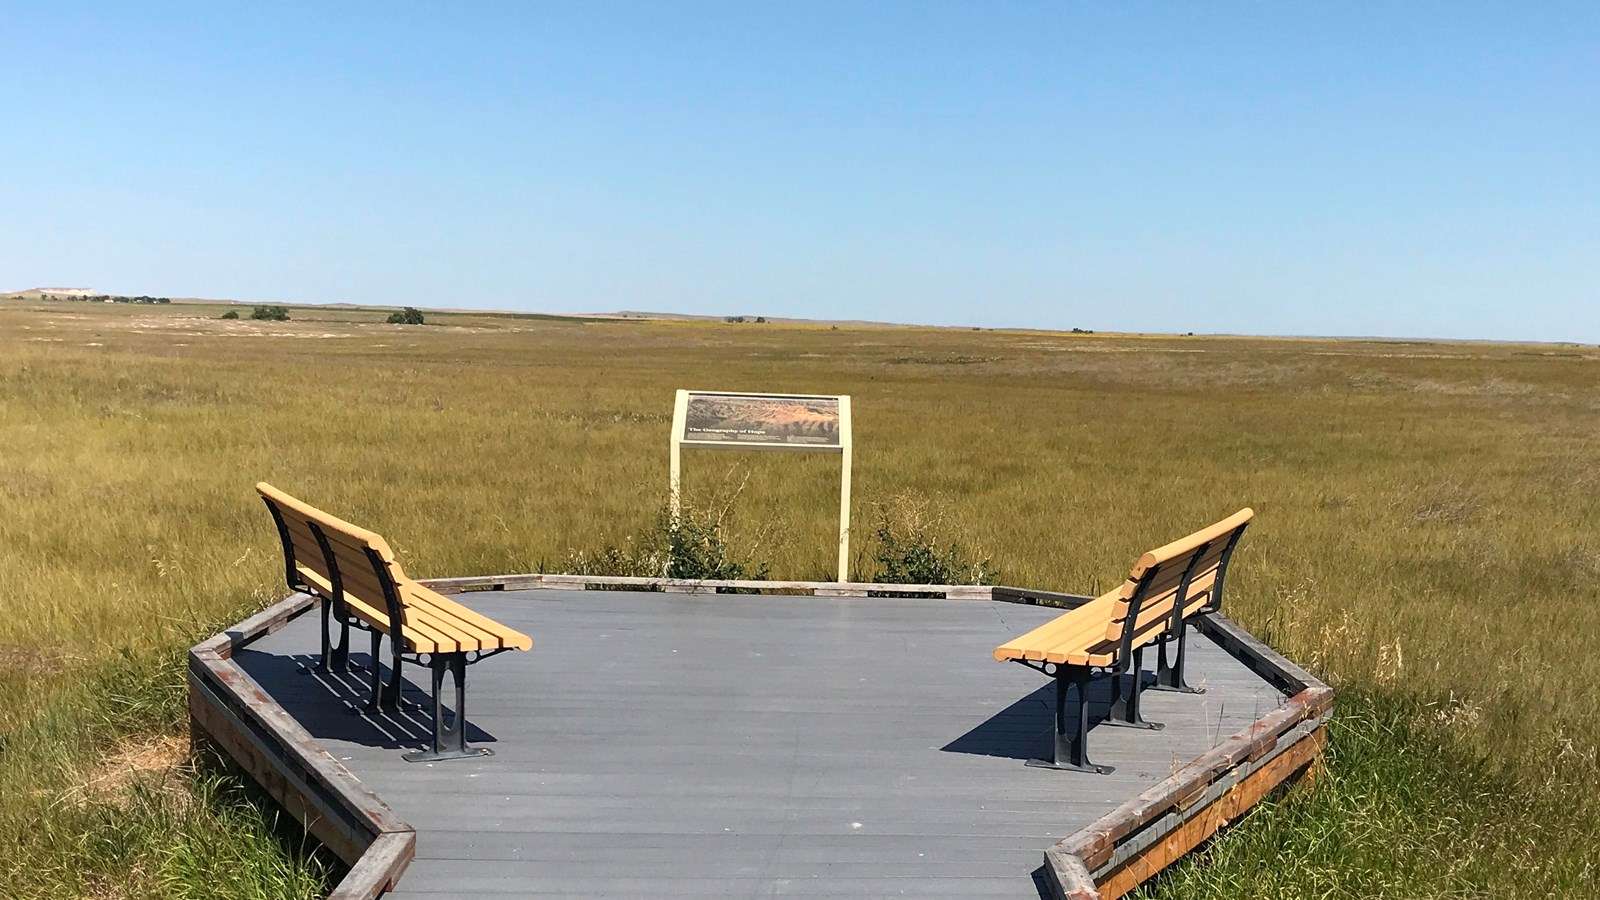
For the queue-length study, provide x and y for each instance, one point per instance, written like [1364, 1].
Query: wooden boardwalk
[748, 746]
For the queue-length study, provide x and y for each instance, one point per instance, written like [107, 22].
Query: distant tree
[410, 315]
[231, 314]
[761, 320]
[271, 313]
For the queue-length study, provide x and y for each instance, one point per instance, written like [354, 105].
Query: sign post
[728, 421]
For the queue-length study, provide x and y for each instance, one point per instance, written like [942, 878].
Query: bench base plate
[432, 755]
[1147, 726]
[1090, 768]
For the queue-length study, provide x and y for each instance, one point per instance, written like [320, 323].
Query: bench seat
[361, 584]
[1076, 639]
[432, 622]
[1107, 635]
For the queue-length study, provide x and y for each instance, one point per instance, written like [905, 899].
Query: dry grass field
[1427, 539]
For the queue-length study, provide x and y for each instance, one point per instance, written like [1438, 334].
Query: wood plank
[355, 535]
[259, 625]
[379, 868]
[503, 635]
[547, 581]
[227, 681]
[1213, 817]
[1055, 640]
[1189, 542]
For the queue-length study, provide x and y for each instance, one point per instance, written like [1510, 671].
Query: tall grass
[1426, 532]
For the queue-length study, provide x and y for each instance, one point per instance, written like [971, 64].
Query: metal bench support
[449, 732]
[1169, 673]
[1070, 743]
[1125, 703]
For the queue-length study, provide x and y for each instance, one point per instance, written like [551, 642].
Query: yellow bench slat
[1091, 634]
[1075, 630]
[429, 622]
[506, 637]
[418, 636]
[1185, 544]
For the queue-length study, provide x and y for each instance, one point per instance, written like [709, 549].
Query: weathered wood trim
[541, 581]
[534, 581]
[379, 869]
[1135, 868]
[1100, 862]
[231, 709]
[1250, 650]
[1138, 839]
[1039, 598]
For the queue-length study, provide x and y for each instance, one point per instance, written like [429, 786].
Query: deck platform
[724, 745]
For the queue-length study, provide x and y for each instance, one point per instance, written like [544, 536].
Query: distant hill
[52, 293]
[775, 320]
[40, 293]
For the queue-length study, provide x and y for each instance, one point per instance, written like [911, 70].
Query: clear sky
[1397, 169]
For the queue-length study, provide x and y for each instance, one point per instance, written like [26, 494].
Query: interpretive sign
[760, 419]
[815, 422]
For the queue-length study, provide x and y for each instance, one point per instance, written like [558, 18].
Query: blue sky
[1402, 169]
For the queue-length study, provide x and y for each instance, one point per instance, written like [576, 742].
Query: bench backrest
[349, 560]
[1174, 581]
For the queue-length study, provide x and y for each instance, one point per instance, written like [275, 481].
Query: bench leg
[335, 657]
[1070, 745]
[385, 694]
[1169, 675]
[340, 660]
[1125, 703]
[449, 735]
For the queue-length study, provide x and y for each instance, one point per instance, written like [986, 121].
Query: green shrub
[696, 548]
[911, 547]
[231, 314]
[271, 313]
[410, 315]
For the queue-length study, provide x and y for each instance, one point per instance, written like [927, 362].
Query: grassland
[1427, 539]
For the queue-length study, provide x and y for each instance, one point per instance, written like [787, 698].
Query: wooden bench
[1107, 636]
[362, 586]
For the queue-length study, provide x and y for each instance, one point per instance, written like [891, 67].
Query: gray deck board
[744, 746]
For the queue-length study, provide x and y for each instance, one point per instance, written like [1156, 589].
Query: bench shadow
[331, 705]
[1023, 729]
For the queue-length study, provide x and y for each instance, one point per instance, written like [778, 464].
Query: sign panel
[768, 420]
[714, 419]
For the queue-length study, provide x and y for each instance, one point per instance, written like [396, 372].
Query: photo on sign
[804, 421]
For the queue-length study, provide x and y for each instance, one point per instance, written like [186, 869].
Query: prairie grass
[1427, 537]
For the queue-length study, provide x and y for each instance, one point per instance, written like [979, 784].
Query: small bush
[231, 314]
[410, 315]
[911, 547]
[696, 548]
[271, 313]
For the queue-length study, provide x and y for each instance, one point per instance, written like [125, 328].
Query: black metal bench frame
[1069, 745]
[449, 731]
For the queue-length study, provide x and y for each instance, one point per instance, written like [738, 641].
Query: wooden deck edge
[1138, 839]
[227, 706]
[534, 581]
[379, 869]
[1100, 862]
